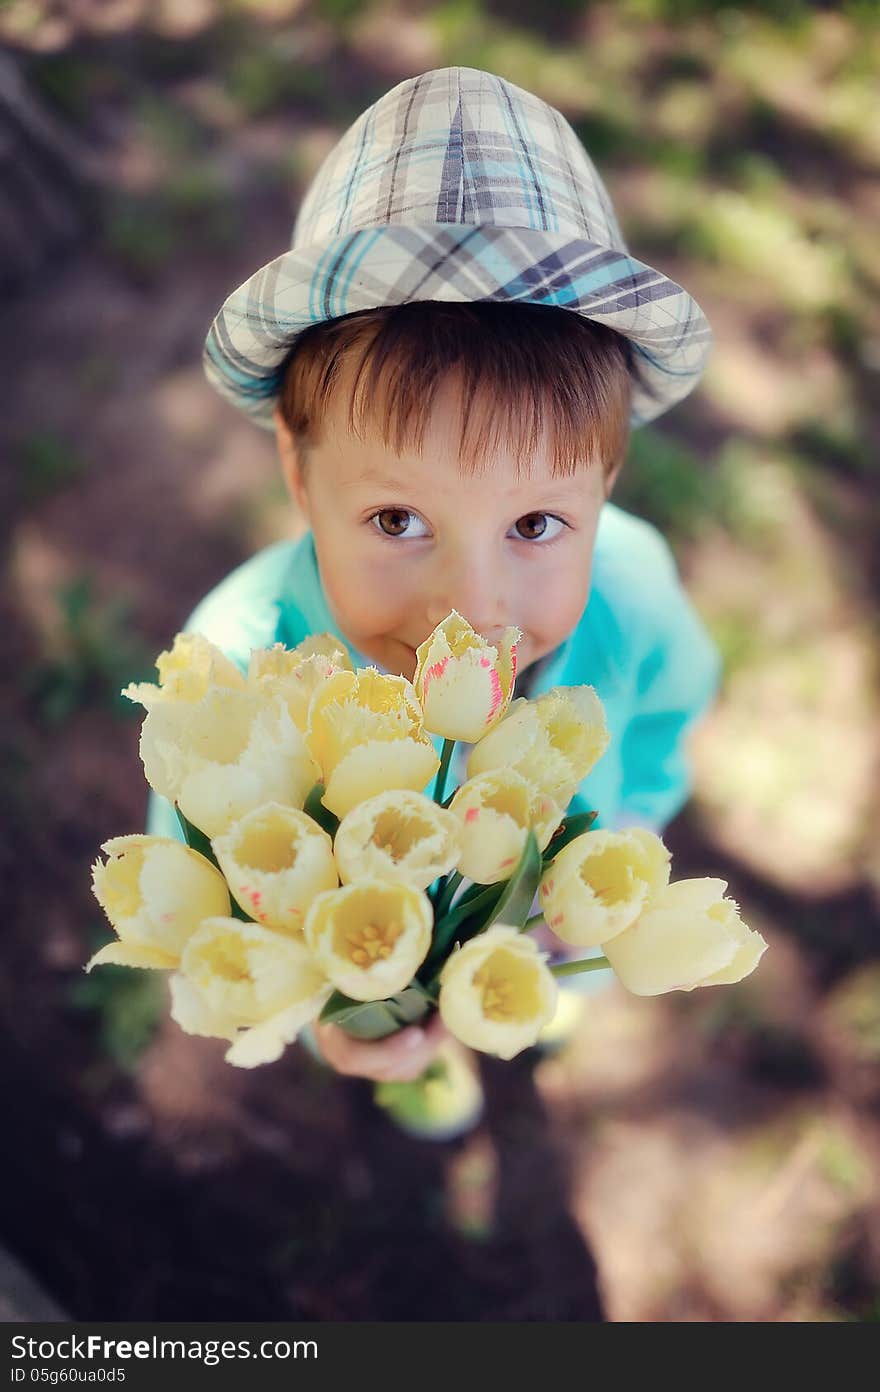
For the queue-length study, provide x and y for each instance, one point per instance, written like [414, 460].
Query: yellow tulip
[155, 892]
[552, 741]
[464, 683]
[689, 935]
[399, 836]
[366, 735]
[243, 983]
[600, 882]
[296, 673]
[495, 811]
[371, 937]
[276, 859]
[497, 993]
[187, 672]
[224, 755]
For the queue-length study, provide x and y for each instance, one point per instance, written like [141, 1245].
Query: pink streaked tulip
[463, 682]
[600, 882]
[276, 859]
[496, 810]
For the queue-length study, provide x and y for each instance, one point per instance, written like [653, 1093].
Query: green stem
[530, 922]
[585, 964]
[435, 892]
[448, 746]
[447, 893]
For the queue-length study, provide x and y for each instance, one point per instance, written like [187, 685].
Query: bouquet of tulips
[319, 880]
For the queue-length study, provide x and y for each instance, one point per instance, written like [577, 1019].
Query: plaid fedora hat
[458, 186]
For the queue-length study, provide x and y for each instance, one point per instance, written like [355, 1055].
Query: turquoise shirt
[639, 642]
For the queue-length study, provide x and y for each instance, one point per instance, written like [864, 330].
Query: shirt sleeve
[677, 680]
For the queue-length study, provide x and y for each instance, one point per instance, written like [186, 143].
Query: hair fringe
[501, 349]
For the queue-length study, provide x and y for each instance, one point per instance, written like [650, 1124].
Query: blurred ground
[716, 1152]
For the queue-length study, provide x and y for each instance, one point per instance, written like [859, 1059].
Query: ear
[290, 456]
[611, 478]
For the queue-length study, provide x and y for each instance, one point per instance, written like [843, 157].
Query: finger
[436, 1027]
[415, 1050]
[391, 1059]
[400, 1058]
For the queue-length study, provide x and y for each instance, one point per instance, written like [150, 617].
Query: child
[451, 355]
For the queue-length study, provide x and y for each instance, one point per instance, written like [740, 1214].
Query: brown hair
[530, 360]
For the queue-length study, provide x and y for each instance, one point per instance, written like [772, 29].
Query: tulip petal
[129, 954]
[496, 810]
[191, 1011]
[276, 859]
[399, 835]
[749, 951]
[296, 674]
[186, 672]
[463, 682]
[266, 760]
[599, 884]
[377, 765]
[553, 741]
[265, 1042]
[688, 936]
[370, 938]
[362, 724]
[156, 892]
[245, 972]
[497, 993]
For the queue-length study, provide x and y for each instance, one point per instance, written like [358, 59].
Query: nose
[472, 584]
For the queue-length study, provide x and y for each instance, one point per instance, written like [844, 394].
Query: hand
[399, 1058]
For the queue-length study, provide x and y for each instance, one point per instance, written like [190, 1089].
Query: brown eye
[398, 520]
[534, 524]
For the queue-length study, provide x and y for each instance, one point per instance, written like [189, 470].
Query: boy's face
[403, 539]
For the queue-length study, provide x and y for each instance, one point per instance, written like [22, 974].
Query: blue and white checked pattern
[458, 186]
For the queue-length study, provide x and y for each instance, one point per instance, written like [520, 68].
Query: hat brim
[259, 322]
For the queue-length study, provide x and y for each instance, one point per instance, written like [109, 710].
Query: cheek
[552, 600]
[368, 595]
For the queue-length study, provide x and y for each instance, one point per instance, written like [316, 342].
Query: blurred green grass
[96, 652]
[741, 148]
[126, 1005]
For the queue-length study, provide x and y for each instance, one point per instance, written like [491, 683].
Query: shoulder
[244, 609]
[639, 601]
[631, 555]
[636, 575]
[635, 588]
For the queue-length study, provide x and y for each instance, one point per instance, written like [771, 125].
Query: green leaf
[195, 839]
[448, 926]
[475, 891]
[377, 1019]
[314, 808]
[198, 841]
[568, 829]
[515, 903]
[446, 893]
[236, 911]
[507, 901]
